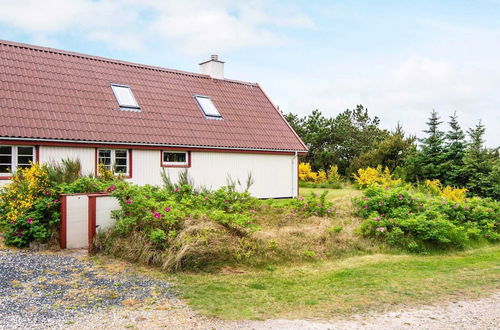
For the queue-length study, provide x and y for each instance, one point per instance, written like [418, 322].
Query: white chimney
[214, 68]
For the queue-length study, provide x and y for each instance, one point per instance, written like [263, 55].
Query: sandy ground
[481, 313]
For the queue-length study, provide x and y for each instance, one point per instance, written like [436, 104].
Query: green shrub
[312, 205]
[415, 221]
[67, 171]
[335, 229]
[157, 236]
[29, 205]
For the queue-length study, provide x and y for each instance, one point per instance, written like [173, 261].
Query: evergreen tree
[477, 164]
[455, 151]
[428, 162]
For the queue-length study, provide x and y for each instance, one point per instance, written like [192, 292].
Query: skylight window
[207, 106]
[125, 97]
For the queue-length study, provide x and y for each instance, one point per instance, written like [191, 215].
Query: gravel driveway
[41, 290]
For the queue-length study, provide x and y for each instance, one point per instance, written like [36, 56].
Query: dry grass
[283, 238]
[294, 238]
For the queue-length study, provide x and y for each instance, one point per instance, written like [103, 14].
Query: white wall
[55, 154]
[275, 175]
[103, 207]
[77, 222]
[77, 218]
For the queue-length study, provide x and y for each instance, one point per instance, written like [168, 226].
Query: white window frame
[129, 107]
[113, 160]
[211, 116]
[164, 163]
[15, 159]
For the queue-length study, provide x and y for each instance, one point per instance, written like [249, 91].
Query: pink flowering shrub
[312, 205]
[152, 209]
[419, 222]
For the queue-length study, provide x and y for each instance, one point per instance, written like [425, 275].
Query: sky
[400, 59]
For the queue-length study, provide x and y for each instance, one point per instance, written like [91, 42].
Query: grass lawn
[333, 194]
[330, 288]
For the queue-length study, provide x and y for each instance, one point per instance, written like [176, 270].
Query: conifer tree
[431, 157]
[477, 166]
[455, 151]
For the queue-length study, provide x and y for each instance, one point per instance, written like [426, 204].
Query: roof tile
[51, 94]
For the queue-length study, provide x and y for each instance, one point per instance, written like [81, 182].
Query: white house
[139, 120]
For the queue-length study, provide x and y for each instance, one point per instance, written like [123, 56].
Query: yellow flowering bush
[454, 194]
[450, 193]
[321, 177]
[333, 174]
[26, 185]
[103, 173]
[29, 207]
[434, 186]
[304, 171]
[307, 174]
[375, 176]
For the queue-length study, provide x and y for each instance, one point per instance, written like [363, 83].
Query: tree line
[353, 139]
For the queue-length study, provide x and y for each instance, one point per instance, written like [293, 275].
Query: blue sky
[401, 59]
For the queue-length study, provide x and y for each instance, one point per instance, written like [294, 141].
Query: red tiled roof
[51, 94]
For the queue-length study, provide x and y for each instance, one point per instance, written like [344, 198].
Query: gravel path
[40, 290]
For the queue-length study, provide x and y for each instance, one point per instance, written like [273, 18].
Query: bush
[375, 176]
[312, 205]
[158, 217]
[67, 171]
[307, 174]
[416, 221]
[29, 205]
[178, 227]
[333, 174]
[450, 193]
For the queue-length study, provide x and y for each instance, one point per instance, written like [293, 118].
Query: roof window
[207, 106]
[125, 98]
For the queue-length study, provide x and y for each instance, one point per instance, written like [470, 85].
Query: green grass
[333, 194]
[330, 288]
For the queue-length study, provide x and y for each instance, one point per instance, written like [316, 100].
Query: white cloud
[195, 27]
[405, 92]
[41, 16]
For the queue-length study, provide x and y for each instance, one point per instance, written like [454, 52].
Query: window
[207, 106]
[12, 157]
[175, 158]
[115, 160]
[125, 98]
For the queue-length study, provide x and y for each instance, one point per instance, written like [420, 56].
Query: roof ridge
[117, 61]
